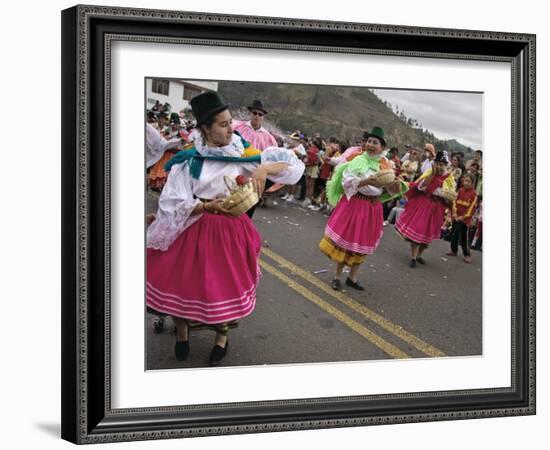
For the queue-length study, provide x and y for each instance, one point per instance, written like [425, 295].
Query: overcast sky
[448, 115]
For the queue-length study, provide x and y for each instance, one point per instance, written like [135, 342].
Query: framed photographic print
[283, 224]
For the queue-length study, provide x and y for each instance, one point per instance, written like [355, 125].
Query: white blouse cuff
[294, 171]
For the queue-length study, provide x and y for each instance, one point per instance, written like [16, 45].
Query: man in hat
[424, 214]
[253, 130]
[429, 155]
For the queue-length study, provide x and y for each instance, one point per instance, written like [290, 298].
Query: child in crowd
[396, 211]
[447, 227]
[325, 172]
[312, 169]
[463, 209]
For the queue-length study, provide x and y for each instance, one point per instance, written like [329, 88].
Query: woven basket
[241, 199]
[384, 177]
[448, 195]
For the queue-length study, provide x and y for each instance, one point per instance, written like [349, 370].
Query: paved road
[430, 311]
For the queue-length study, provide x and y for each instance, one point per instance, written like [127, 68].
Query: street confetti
[320, 271]
[444, 259]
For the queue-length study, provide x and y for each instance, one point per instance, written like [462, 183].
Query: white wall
[175, 93]
[30, 388]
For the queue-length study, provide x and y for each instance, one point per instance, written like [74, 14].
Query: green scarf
[359, 165]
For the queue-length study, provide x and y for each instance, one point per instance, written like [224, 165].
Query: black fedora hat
[257, 105]
[441, 156]
[207, 105]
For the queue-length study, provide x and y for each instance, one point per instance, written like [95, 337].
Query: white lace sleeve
[438, 191]
[156, 145]
[351, 182]
[294, 171]
[176, 203]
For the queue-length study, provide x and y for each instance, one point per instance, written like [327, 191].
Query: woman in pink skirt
[355, 226]
[202, 263]
[424, 214]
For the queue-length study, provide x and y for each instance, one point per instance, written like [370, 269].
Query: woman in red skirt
[421, 221]
[355, 227]
[202, 263]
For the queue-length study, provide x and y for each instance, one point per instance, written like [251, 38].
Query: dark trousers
[302, 188]
[460, 234]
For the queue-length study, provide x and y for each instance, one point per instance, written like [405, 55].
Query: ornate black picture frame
[87, 35]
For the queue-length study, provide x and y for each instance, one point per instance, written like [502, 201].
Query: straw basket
[384, 177]
[448, 195]
[241, 199]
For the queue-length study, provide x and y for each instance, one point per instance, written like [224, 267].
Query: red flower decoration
[241, 180]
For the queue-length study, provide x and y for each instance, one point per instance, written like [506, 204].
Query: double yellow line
[378, 341]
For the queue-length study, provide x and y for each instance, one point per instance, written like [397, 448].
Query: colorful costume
[158, 152]
[156, 145]
[355, 226]
[464, 206]
[261, 138]
[204, 267]
[424, 214]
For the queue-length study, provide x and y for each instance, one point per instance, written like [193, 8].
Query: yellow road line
[394, 329]
[382, 344]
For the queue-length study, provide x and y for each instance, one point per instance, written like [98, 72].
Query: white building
[176, 92]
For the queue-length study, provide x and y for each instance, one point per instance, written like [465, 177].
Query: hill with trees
[340, 111]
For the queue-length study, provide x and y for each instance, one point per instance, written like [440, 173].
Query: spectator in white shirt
[429, 154]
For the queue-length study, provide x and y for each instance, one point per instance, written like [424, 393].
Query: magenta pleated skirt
[209, 273]
[422, 219]
[356, 225]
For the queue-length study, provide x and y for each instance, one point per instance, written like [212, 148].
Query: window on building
[189, 92]
[161, 86]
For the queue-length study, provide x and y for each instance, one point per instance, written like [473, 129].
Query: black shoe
[336, 285]
[420, 260]
[412, 263]
[181, 350]
[354, 284]
[217, 354]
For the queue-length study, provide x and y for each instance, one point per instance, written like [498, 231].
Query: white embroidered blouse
[351, 181]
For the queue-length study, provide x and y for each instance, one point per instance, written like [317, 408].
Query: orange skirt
[340, 255]
[157, 175]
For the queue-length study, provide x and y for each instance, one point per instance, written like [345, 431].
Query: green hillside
[329, 110]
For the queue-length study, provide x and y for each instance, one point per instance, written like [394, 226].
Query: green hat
[378, 133]
[207, 105]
